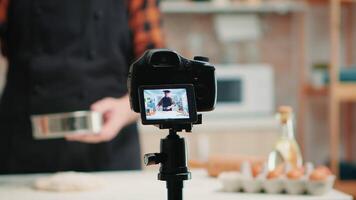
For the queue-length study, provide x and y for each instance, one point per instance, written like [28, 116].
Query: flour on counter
[69, 182]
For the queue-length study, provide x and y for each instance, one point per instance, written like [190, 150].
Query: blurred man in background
[64, 56]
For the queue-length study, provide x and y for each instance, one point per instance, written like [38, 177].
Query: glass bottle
[286, 149]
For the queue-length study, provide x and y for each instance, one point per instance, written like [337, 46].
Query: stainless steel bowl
[60, 124]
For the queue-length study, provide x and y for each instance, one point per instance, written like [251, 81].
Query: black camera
[168, 90]
[161, 80]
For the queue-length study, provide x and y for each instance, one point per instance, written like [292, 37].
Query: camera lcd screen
[174, 104]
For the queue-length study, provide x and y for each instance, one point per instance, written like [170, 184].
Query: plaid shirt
[144, 21]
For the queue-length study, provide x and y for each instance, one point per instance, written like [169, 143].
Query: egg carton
[236, 182]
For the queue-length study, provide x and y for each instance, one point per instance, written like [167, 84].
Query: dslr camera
[167, 88]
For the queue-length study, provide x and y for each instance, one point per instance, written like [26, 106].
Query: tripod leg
[175, 189]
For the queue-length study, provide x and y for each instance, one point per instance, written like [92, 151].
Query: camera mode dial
[201, 58]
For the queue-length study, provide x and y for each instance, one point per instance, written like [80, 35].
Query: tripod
[173, 160]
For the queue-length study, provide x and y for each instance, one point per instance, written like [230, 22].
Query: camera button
[201, 58]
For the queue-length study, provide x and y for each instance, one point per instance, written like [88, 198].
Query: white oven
[244, 90]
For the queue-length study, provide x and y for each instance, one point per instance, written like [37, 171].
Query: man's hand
[116, 113]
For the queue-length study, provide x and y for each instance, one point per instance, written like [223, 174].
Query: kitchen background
[254, 39]
[272, 35]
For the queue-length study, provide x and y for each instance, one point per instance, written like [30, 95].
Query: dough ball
[69, 181]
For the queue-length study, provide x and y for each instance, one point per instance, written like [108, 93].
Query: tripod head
[173, 159]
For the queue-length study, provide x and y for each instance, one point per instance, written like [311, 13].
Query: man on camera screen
[166, 102]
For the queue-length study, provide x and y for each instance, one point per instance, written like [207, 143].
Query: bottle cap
[285, 113]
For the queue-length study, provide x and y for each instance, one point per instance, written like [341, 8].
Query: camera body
[162, 67]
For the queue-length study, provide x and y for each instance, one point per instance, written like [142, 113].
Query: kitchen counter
[137, 186]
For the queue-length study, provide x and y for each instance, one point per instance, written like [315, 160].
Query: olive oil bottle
[286, 149]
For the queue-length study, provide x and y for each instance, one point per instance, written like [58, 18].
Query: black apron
[63, 56]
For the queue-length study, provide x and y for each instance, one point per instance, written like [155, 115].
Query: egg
[295, 174]
[324, 169]
[277, 172]
[256, 169]
[274, 174]
[318, 175]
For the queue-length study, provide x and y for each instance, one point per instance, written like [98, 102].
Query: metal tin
[60, 124]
